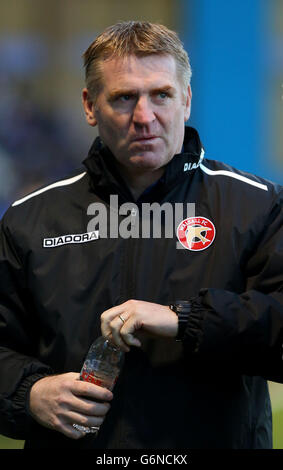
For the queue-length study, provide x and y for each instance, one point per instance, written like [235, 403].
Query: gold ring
[122, 319]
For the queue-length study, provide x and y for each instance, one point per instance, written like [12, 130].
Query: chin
[148, 161]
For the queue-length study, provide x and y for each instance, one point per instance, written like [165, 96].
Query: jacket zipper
[128, 285]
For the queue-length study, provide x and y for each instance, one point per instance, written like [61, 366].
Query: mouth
[144, 138]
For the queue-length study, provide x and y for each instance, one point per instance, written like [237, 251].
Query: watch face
[183, 306]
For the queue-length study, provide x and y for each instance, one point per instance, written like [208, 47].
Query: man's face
[140, 110]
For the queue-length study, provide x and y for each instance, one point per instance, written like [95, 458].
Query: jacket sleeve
[245, 331]
[19, 368]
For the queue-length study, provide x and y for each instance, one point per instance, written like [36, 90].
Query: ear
[88, 108]
[188, 104]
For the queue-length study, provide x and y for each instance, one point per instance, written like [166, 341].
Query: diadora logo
[67, 239]
[192, 166]
[196, 233]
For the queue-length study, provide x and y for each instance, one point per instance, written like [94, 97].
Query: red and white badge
[196, 233]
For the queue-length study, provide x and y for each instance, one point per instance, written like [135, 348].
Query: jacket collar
[106, 180]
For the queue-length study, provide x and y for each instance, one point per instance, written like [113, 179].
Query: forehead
[151, 70]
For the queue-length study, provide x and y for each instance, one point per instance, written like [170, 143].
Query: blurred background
[236, 52]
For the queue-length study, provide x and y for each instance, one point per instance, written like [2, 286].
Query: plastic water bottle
[102, 364]
[101, 367]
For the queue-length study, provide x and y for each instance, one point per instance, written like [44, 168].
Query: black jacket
[208, 391]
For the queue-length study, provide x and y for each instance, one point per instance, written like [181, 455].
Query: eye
[125, 97]
[163, 95]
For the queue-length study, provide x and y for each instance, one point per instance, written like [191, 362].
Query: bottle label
[106, 383]
[90, 378]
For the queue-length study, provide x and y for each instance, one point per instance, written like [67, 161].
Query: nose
[143, 113]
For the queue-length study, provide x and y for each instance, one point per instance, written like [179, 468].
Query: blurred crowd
[35, 146]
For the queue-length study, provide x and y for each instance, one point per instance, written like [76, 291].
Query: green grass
[6, 443]
[278, 429]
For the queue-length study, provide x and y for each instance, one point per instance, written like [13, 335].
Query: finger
[92, 391]
[76, 431]
[115, 326]
[85, 420]
[69, 430]
[108, 315]
[128, 329]
[73, 433]
[90, 407]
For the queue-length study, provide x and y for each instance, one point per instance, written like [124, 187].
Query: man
[199, 314]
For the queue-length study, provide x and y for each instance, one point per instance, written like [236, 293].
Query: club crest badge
[196, 233]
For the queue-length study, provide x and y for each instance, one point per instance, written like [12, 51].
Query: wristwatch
[182, 308]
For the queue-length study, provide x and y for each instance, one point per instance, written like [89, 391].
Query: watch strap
[182, 308]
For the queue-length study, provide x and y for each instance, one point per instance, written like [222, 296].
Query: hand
[137, 315]
[59, 401]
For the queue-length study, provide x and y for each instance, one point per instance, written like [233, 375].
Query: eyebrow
[116, 93]
[166, 88]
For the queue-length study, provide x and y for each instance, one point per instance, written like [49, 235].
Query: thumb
[128, 329]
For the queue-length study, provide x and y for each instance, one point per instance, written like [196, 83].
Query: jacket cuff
[21, 402]
[194, 329]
